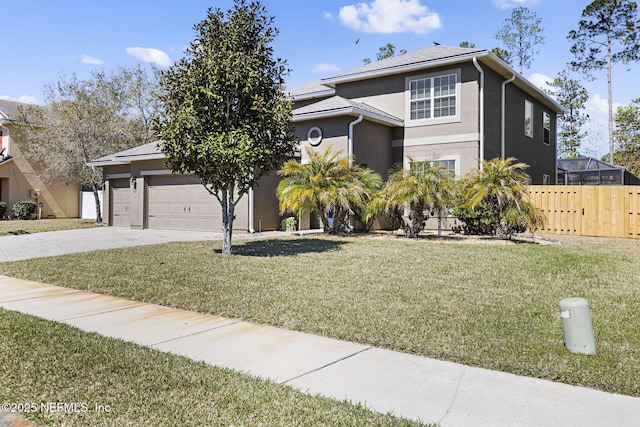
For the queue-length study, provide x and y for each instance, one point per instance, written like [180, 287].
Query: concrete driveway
[38, 245]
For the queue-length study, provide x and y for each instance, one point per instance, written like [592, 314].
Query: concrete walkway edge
[410, 386]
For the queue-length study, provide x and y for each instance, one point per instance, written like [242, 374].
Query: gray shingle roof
[309, 90]
[9, 109]
[416, 57]
[338, 105]
[150, 150]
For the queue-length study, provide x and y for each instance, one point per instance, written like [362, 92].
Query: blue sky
[44, 39]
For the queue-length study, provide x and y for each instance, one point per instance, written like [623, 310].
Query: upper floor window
[528, 118]
[433, 97]
[546, 124]
[449, 166]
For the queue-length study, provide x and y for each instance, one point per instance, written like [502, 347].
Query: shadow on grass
[285, 247]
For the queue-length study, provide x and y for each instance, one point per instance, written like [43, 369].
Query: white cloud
[328, 16]
[390, 16]
[597, 132]
[508, 4]
[26, 99]
[147, 54]
[325, 68]
[540, 80]
[86, 59]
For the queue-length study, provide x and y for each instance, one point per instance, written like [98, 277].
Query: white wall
[88, 204]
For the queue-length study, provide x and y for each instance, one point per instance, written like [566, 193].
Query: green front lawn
[18, 226]
[108, 382]
[488, 305]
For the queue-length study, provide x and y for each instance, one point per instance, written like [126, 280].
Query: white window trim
[438, 120]
[546, 122]
[455, 157]
[526, 103]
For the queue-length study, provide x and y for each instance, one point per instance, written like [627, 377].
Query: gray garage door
[181, 203]
[120, 202]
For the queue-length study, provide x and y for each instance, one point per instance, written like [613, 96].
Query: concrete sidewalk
[386, 381]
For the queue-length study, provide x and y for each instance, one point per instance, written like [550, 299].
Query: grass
[494, 306]
[43, 361]
[18, 226]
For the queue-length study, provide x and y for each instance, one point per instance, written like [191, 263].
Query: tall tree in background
[225, 117]
[88, 119]
[608, 34]
[384, 52]
[627, 136]
[502, 54]
[467, 44]
[573, 97]
[521, 33]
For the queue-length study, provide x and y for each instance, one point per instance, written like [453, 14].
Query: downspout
[503, 131]
[250, 194]
[481, 102]
[350, 147]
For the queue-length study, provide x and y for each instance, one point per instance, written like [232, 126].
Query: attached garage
[144, 194]
[119, 202]
[181, 203]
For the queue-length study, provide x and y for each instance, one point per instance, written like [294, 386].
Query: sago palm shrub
[328, 186]
[410, 195]
[500, 186]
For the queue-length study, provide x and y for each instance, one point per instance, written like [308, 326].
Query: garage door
[120, 202]
[181, 203]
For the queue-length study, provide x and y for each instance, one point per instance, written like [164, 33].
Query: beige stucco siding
[335, 134]
[20, 176]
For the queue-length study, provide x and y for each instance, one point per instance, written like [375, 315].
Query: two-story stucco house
[19, 178]
[445, 104]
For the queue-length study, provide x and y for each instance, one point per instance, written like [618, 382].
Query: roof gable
[424, 57]
[339, 106]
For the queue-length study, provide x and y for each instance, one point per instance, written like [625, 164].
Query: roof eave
[332, 81]
[507, 71]
[126, 160]
[312, 95]
[347, 112]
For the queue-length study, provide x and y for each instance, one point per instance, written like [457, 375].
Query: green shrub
[24, 209]
[475, 221]
[288, 224]
[3, 209]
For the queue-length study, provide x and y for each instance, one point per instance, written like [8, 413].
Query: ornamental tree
[225, 117]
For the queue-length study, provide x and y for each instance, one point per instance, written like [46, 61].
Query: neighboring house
[19, 178]
[438, 104]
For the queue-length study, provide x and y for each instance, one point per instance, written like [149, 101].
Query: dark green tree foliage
[608, 34]
[467, 44]
[627, 136]
[521, 33]
[502, 54]
[225, 115]
[573, 97]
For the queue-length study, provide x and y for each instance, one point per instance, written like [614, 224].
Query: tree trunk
[228, 209]
[96, 196]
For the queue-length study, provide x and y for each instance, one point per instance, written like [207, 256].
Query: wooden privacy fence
[593, 210]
